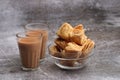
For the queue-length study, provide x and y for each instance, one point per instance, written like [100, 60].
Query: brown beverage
[29, 48]
[44, 34]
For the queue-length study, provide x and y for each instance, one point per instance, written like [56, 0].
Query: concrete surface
[100, 17]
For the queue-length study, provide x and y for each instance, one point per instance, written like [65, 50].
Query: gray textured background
[101, 17]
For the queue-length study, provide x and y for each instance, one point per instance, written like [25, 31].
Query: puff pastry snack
[61, 43]
[78, 35]
[80, 28]
[72, 50]
[87, 47]
[64, 31]
[55, 51]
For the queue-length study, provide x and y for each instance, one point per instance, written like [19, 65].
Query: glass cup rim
[30, 24]
[90, 54]
[19, 35]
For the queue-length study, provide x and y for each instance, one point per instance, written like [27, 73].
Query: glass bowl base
[76, 66]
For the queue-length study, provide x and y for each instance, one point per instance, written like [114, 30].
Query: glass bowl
[70, 63]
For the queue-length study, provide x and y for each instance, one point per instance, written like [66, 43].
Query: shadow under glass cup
[29, 48]
[36, 29]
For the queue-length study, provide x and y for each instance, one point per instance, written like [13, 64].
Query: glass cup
[36, 29]
[29, 48]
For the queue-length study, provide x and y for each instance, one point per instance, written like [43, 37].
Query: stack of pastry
[72, 43]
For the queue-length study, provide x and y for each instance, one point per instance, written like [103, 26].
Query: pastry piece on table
[64, 31]
[61, 43]
[55, 51]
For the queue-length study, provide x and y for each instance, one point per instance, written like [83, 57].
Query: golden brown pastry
[72, 51]
[88, 46]
[73, 47]
[61, 43]
[79, 39]
[69, 55]
[78, 36]
[55, 51]
[64, 31]
[80, 28]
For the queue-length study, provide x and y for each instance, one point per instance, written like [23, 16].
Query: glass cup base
[42, 60]
[28, 69]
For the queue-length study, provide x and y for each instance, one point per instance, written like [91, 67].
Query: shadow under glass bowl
[70, 63]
